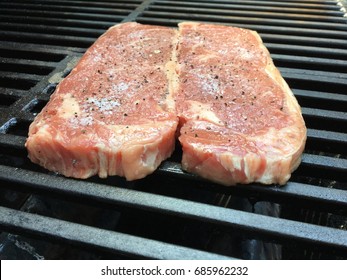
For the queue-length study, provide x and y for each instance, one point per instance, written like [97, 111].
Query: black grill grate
[172, 214]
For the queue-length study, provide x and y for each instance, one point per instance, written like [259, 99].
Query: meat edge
[229, 169]
[73, 161]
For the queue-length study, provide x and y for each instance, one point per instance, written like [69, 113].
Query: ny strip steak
[113, 114]
[240, 121]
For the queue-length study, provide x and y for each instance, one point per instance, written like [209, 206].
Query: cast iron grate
[172, 214]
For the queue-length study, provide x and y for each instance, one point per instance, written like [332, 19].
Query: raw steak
[240, 121]
[113, 115]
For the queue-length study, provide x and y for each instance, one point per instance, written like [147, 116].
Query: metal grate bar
[327, 135]
[68, 8]
[323, 96]
[17, 76]
[323, 120]
[326, 65]
[174, 169]
[5, 91]
[67, 15]
[18, 80]
[93, 24]
[315, 75]
[135, 13]
[303, 80]
[34, 52]
[321, 100]
[323, 33]
[94, 238]
[273, 228]
[12, 141]
[88, 3]
[336, 116]
[43, 67]
[248, 20]
[251, 13]
[297, 9]
[47, 39]
[298, 50]
[312, 41]
[54, 185]
[54, 30]
[266, 29]
[327, 198]
[337, 164]
[299, 3]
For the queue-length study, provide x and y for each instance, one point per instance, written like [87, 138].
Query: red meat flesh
[113, 114]
[240, 121]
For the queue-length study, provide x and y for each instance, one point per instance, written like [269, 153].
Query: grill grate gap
[30, 54]
[16, 83]
[320, 103]
[325, 148]
[307, 174]
[322, 123]
[7, 100]
[29, 68]
[20, 128]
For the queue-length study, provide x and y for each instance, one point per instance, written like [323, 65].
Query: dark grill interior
[172, 214]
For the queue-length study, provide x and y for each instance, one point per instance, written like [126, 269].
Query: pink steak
[240, 121]
[113, 115]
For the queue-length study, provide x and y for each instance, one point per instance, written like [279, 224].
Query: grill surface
[172, 214]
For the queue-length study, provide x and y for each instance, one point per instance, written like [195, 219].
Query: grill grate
[172, 214]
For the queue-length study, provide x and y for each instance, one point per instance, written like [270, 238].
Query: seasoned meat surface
[139, 86]
[240, 121]
[113, 115]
